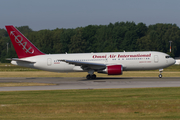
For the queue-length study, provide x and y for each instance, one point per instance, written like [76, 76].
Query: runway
[83, 83]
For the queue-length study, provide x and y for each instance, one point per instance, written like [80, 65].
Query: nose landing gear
[160, 75]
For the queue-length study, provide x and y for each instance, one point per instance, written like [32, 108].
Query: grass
[100, 104]
[173, 68]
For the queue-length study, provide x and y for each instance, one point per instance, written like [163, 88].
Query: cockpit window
[168, 56]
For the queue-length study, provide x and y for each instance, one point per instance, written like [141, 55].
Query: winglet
[24, 48]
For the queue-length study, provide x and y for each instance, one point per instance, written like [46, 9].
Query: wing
[86, 65]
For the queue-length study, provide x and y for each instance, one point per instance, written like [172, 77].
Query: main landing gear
[91, 76]
[160, 75]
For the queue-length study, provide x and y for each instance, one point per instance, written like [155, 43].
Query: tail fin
[24, 48]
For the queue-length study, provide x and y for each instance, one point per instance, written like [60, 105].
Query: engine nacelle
[114, 69]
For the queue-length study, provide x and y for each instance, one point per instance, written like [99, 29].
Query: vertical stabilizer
[24, 48]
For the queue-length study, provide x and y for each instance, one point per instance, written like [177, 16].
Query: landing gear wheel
[88, 76]
[93, 76]
[160, 76]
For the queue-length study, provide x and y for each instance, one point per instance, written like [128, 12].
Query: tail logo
[19, 40]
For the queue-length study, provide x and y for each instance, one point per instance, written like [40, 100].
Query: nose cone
[172, 61]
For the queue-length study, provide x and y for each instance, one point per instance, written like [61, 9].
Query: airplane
[111, 63]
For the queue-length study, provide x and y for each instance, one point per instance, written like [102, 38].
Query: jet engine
[114, 69]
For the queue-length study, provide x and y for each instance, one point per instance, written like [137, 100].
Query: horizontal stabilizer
[21, 60]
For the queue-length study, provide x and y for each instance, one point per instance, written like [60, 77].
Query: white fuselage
[129, 60]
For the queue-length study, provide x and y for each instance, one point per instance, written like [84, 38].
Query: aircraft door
[156, 59]
[49, 61]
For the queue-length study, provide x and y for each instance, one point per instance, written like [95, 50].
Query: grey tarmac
[83, 83]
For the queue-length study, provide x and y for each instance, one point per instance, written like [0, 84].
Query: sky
[52, 14]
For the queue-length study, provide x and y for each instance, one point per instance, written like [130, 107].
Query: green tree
[77, 43]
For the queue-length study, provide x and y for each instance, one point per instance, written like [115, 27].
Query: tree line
[117, 37]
